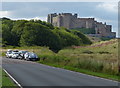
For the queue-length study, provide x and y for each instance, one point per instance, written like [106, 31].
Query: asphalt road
[29, 73]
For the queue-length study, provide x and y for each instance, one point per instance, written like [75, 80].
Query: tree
[40, 35]
[43, 23]
[7, 35]
[84, 39]
[17, 30]
[67, 38]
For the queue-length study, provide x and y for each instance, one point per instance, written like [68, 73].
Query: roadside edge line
[81, 73]
[13, 79]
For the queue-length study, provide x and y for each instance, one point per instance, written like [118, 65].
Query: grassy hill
[102, 56]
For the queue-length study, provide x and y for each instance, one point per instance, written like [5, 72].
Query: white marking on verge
[12, 78]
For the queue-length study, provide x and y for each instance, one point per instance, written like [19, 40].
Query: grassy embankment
[6, 81]
[99, 59]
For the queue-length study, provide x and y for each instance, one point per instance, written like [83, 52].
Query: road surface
[28, 73]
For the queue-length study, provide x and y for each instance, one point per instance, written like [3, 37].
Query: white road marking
[12, 78]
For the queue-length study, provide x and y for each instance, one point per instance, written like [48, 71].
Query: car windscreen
[15, 53]
[23, 52]
[9, 51]
[32, 55]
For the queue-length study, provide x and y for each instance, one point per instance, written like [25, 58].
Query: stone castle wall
[70, 21]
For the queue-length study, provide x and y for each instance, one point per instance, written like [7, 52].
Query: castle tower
[50, 17]
[75, 15]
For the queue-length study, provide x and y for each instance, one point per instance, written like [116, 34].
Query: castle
[70, 21]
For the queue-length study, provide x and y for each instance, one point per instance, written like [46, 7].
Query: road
[28, 73]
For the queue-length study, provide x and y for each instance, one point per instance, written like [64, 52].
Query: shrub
[84, 38]
[40, 35]
[88, 52]
[85, 30]
[67, 38]
[104, 52]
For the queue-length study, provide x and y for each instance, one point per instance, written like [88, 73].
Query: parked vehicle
[13, 54]
[22, 54]
[9, 53]
[30, 56]
[16, 55]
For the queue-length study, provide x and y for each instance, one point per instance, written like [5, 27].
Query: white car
[9, 53]
[30, 56]
[16, 55]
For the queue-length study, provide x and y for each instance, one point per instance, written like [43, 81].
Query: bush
[40, 35]
[88, 52]
[85, 30]
[67, 38]
[105, 38]
[104, 52]
[84, 39]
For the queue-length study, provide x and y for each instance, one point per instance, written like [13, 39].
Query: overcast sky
[101, 11]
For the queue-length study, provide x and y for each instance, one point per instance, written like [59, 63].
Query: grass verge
[6, 81]
[88, 72]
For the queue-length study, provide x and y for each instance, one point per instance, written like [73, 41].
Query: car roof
[30, 53]
[9, 50]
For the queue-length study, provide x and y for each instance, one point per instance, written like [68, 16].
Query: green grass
[100, 59]
[0, 77]
[98, 74]
[6, 81]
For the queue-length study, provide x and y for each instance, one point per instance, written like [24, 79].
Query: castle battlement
[70, 21]
[66, 14]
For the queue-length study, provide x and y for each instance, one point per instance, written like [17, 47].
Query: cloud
[5, 13]
[40, 18]
[35, 18]
[98, 19]
[24, 10]
[103, 20]
[109, 6]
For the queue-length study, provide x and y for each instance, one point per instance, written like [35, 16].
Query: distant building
[70, 21]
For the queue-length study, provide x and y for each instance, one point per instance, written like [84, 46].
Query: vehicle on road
[22, 54]
[16, 55]
[9, 53]
[31, 56]
[13, 54]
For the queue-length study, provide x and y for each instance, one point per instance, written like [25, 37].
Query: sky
[101, 11]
